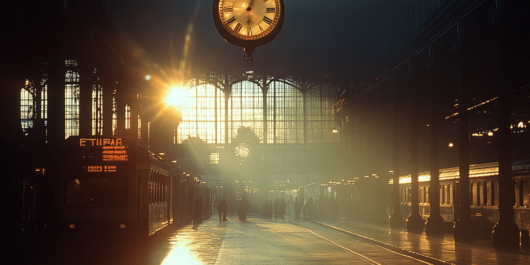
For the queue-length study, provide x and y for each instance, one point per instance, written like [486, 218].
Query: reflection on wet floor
[181, 254]
[272, 241]
[195, 244]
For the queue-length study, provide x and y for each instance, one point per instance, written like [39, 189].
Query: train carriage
[111, 187]
[484, 194]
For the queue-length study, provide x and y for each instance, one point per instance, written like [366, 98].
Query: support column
[395, 218]
[265, 90]
[464, 229]
[435, 222]
[414, 220]
[56, 132]
[505, 232]
[227, 91]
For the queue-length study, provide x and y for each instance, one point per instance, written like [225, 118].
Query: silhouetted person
[197, 213]
[310, 208]
[243, 207]
[264, 209]
[297, 209]
[222, 208]
[276, 207]
[282, 208]
[304, 209]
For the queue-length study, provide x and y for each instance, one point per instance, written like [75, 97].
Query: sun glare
[178, 97]
[181, 255]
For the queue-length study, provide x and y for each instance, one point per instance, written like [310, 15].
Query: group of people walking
[222, 209]
[312, 209]
[307, 210]
[277, 208]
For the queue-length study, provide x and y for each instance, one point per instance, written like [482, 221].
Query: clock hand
[250, 5]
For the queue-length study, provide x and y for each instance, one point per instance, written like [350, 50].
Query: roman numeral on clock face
[267, 20]
[238, 27]
[228, 9]
[230, 20]
[271, 10]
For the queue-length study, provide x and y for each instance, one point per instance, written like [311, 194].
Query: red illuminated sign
[100, 142]
[112, 148]
[100, 169]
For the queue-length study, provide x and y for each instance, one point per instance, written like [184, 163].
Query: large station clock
[248, 23]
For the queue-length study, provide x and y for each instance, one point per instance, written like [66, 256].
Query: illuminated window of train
[446, 198]
[488, 193]
[442, 201]
[427, 195]
[474, 193]
[450, 198]
[96, 192]
[480, 194]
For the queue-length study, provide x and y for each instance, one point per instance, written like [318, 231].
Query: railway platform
[259, 240]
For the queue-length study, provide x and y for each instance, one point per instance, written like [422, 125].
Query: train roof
[475, 171]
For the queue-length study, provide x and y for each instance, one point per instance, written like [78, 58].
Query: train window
[488, 193]
[427, 195]
[96, 192]
[446, 198]
[450, 197]
[442, 194]
[474, 194]
[480, 194]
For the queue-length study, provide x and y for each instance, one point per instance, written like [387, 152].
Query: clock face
[249, 20]
[242, 150]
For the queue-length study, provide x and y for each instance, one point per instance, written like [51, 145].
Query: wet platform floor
[282, 241]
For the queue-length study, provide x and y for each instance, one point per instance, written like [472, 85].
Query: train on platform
[109, 187]
[484, 194]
